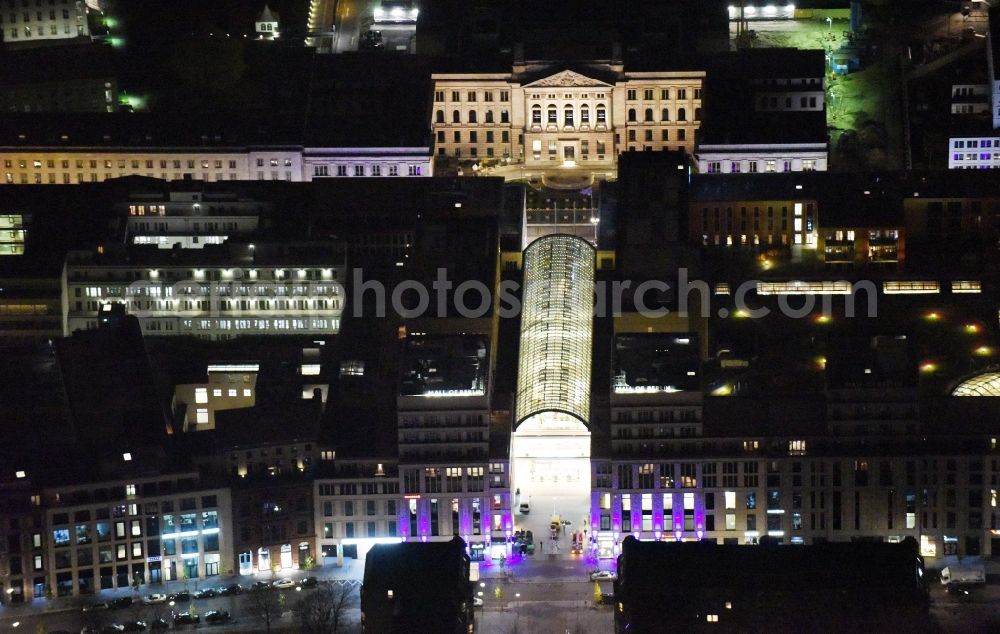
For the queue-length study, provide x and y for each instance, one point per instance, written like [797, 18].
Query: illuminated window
[796, 447]
[352, 368]
[966, 286]
[201, 416]
[910, 287]
[130, 490]
[730, 499]
[201, 395]
[804, 288]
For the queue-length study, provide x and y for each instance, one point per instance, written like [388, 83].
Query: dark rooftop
[61, 63]
[876, 362]
[656, 362]
[146, 130]
[417, 587]
[437, 365]
[738, 416]
[730, 110]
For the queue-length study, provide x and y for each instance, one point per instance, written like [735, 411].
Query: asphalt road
[347, 19]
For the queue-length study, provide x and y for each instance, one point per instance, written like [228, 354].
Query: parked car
[284, 583]
[153, 599]
[229, 591]
[159, 624]
[607, 599]
[206, 593]
[525, 508]
[217, 617]
[477, 602]
[960, 591]
[603, 575]
[96, 607]
[259, 585]
[179, 597]
[371, 40]
[121, 603]
[309, 582]
[185, 618]
[134, 626]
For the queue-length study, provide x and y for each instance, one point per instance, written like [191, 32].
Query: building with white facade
[977, 146]
[974, 152]
[189, 219]
[235, 290]
[229, 386]
[993, 66]
[446, 482]
[53, 149]
[352, 162]
[267, 25]
[765, 112]
[57, 20]
[546, 115]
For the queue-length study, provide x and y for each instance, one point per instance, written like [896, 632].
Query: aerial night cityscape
[499, 316]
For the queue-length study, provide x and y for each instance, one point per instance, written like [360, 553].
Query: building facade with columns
[546, 115]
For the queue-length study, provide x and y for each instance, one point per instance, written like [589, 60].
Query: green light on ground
[137, 102]
[116, 42]
[110, 22]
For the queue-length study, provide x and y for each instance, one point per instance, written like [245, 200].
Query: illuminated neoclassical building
[545, 115]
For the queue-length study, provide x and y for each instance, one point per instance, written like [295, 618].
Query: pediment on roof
[567, 79]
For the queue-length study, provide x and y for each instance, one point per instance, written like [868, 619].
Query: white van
[963, 575]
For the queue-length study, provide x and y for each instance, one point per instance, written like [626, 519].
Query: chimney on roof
[519, 66]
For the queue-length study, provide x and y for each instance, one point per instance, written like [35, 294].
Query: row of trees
[320, 611]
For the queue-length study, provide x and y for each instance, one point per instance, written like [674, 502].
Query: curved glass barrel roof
[556, 328]
[987, 384]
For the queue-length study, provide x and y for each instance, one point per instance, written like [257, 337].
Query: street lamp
[829, 22]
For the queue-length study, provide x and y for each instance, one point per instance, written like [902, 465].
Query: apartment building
[54, 149]
[447, 481]
[254, 288]
[189, 219]
[33, 21]
[22, 541]
[981, 151]
[126, 532]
